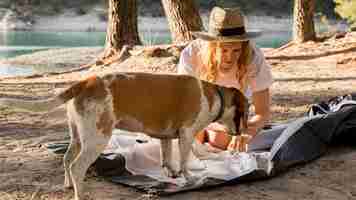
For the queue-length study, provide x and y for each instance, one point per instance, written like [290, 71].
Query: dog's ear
[241, 111]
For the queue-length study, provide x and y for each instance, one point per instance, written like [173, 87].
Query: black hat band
[231, 31]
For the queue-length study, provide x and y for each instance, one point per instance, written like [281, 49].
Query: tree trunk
[303, 22]
[183, 17]
[122, 26]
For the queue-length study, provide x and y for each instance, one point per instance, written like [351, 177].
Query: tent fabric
[327, 123]
[279, 148]
[332, 105]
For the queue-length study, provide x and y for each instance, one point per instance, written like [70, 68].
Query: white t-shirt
[259, 76]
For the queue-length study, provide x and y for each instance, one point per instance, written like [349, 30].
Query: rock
[339, 35]
[353, 28]
[11, 21]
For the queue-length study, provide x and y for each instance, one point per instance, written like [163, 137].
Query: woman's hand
[253, 126]
[234, 143]
[239, 143]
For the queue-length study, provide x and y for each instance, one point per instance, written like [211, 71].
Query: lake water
[276, 32]
[23, 42]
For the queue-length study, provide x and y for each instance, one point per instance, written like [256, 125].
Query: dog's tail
[51, 103]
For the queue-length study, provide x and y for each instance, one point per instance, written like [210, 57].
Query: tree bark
[303, 22]
[122, 26]
[183, 17]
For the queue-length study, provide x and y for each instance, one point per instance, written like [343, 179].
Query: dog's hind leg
[71, 154]
[92, 144]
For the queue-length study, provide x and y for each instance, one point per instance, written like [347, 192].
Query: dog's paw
[67, 186]
[67, 183]
[171, 172]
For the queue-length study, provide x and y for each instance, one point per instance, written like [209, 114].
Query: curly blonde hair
[210, 61]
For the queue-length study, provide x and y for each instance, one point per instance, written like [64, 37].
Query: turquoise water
[24, 42]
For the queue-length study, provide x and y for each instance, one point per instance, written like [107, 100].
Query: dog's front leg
[166, 158]
[186, 137]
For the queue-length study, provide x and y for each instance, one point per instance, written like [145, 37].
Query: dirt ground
[304, 74]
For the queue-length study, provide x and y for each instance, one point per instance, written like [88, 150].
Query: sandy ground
[303, 75]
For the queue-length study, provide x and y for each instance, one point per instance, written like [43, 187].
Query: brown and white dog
[161, 106]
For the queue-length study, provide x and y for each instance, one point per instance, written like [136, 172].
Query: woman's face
[228, 54]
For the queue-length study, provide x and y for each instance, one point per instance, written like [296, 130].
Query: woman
[225, 55]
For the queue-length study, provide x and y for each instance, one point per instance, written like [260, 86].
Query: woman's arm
[260, 84]
[186, 60]
[261, 102]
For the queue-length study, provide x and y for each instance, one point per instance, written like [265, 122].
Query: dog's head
[236, 111]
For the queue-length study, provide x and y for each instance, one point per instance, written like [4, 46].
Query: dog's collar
[220, 92]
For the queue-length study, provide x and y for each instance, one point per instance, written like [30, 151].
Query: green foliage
[219, 2]
[346, 9]
[326, 7]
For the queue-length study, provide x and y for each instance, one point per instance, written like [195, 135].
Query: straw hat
[226, 24]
